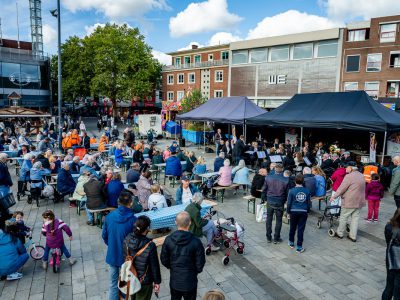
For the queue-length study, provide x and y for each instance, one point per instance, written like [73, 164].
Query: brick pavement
[329, 269]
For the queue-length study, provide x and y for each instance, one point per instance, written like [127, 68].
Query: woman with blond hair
[214, 295]
[156, 199]
[320, 181]
[199, 168]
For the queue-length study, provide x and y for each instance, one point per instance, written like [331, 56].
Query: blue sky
[173, 24]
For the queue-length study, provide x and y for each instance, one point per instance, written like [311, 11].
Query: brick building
[203, 68]
[371, 58]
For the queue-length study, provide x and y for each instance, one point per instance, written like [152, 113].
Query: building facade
[371, 58]
[272, 70]
[204, 68]
[23, 73]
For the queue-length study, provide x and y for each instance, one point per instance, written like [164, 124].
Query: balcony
[195, 65]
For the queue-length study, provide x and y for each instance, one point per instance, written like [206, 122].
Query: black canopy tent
[342, 110]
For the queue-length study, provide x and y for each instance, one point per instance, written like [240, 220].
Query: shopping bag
[261, 212]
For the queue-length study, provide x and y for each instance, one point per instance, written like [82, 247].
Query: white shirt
[157, 200]
[186, 196]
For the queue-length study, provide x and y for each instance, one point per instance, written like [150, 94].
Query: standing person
[82, 127]
[352, 191]
[374, 193]
[392, 237]
[183, 254]
[238, 150]
[217, 141]
[5, 177]
[394, 188]
[146, 264]
[275, 191]
[99, 125]
[117, 225]
[143, 187]
[298, 207]
[85, 140]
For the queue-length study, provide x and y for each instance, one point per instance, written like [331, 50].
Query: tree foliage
[192, 100]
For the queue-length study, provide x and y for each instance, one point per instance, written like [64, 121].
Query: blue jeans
[113, 292]
[4, 190]
[209, 230]
[22, 259]
[63, 249]
[297, 222]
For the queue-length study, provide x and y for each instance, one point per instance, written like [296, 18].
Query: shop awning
[22, 112]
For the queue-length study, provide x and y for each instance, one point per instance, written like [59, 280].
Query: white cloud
[163, 58]
[49, 35]
[223, 38]
[90, 29]
[351, 9]
[188, 47]
[291, 21]
[202, 17]
[116, 8]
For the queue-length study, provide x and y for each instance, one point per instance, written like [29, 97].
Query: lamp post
[56, 13]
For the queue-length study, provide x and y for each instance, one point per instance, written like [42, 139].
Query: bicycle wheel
[54, 258]
[37, 252]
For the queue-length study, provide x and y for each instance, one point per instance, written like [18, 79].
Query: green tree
[192, 100]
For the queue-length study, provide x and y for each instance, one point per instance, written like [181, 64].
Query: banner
[372, 147]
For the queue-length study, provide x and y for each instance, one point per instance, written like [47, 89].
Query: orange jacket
[66, 143]
[102, 143]
[75, 139]
[368, 171]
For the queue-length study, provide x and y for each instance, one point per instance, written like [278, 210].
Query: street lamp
[56, 13]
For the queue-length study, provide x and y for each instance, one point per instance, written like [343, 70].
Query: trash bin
[182, 142]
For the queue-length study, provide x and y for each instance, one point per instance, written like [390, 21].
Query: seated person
[94, 197]
[88, 167]
[119, 156]
[138, 156]
[320, 187]
[199, 226]
[114, 189]
[288, 174]
[79, 193]
[143, 187]
[241, 173]
[75, 165]
[65, 183]
[257, 183]
[70, 155]
[219, 162]
[173, 166]
[13, 145]
[102, 143]
[45, 145]
[156, 199]
[157, 159]
[24, 150]
[309, 181]
[133, 173]
[225, 174]
[199, 168]
[43, 160]
[36, 175]
[185, 192]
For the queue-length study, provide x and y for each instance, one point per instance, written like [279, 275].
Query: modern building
[271, 70]
[371, 58]
[23, 74]
[203, 68]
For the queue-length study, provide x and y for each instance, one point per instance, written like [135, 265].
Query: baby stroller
[206, 187]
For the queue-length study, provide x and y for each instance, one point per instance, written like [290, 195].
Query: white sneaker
[72, 261]
[14, 276]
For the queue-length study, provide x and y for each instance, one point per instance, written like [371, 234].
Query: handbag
[7, 201]
[261, 212]
[394, 251]
[128, 281]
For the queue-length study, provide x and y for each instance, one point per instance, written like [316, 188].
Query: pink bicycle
[55, 259]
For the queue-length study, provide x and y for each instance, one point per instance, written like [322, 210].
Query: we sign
[277, 79]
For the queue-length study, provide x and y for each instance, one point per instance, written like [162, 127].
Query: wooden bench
[78, 204]
[99, 214]
[320, 199]
[172, 180]
[221, 190]
[196, 181]
[154, 173]
[250, 199]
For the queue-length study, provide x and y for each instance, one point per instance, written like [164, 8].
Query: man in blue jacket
[298, 207]
[219, 161]
[275, 191]
[117, 226]
[185, 192]
[173, 165]
[65, 183]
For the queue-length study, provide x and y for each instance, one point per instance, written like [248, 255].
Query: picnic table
[165, 217]
[11, 154]
[205, 176]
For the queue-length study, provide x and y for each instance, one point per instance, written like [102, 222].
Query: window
[181, 78]
[395, 59]
[187, 60]
[374, 62]
[327, 49]
[350, 86]
[357, 35]
[240, 57]
[388, 32]
[30, 73]
[170, 96]
[353, 63]
[170, 79]
[258, 55]
[224, 55]
[219, 76]
[303, 51]
[10, 69]
[178, 61]
[393, 89]
[218, 93]
[372, 89]
[191, 78]
[210, 57]
[280, 53]
[197, 58]
[180, 95]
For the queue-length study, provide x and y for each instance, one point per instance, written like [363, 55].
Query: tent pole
[301, 138]
[245, 130]
[204, 136]
[384, 147]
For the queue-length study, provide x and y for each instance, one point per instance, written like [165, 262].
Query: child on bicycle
[52, 229]
[23, 230]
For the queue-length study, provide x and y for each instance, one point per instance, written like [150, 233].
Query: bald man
[183, 254]
[394, 188]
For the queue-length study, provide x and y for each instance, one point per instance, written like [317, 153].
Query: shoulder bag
[394, 251]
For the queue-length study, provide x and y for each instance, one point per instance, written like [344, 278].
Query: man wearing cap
[185, 192]
[346, 158]
[352, 192]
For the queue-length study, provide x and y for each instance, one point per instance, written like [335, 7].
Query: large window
[219, 76]
[191, 78]
[395, 59]
[187, 60]
[170, 79]
[178, 61]
[374, 62]
[180, 95]
[181, 78]
[350, 86]
[280, 53]
[327, 49]
[170, 96]
[197, 58]
[303, 51]
[353, 63]
[388, 32]
[225, 55]
[357, 35]
[10, 69]
[240, 57]
[372, 89]
[258, 55]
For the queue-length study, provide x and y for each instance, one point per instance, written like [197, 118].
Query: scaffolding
[35, 7]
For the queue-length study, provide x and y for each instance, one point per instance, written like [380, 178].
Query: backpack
[48, 191]
[128, 281]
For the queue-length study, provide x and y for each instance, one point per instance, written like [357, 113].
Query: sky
[171, 25]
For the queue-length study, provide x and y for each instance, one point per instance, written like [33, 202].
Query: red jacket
[374, 191]
[337, 178]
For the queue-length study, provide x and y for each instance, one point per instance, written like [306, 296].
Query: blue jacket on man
[179, 192]
[299, 200]
[173, 166]
[310, 183]
[118, 224]
[12, 253]
[65, 183]
[275, 189]
[218, 163]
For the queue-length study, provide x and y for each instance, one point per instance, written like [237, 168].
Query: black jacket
[137, 157]
[184, 255]
[45, 161]
[94, 193]
[5, 177]
[129, 137]
[257, 184]
[239, 148]
[86, 142]
[148, 260]
[326, 164]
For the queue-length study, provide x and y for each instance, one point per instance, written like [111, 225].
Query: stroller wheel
[225, 260]
[227, 243]
[240, 250]
[331, 232]
[347, 228]
[208, 250]
[318, 224]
